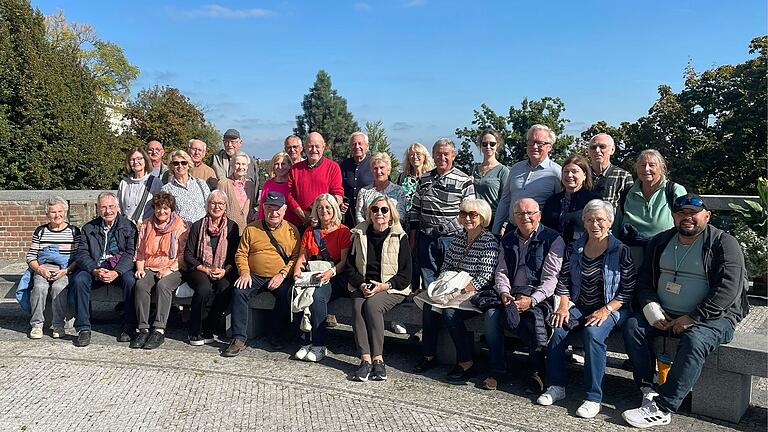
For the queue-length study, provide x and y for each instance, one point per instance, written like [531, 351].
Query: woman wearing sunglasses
[190, 193]
[490, 175]
[379, 274]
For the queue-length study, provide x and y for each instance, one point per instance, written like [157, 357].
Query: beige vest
[389, 254]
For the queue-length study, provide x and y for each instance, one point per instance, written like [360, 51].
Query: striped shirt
[66, 239]
[436, 202]
[479, 260]
[591, 296]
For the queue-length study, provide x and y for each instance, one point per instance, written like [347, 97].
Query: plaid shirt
[611, 183]
[436, 201]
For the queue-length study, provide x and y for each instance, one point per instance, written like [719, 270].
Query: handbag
[448, 286]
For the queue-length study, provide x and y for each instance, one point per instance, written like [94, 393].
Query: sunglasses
[471, 214]
[488, 144]
[684, 201]
[179, 163]
[377, 209]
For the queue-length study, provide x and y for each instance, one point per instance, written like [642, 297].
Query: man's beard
[693, 232]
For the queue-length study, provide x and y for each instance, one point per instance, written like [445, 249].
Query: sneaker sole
[379, 378]
[197, 343]
[362, 379]
[645, 425]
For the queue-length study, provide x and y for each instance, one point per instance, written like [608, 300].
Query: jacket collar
[362, 227]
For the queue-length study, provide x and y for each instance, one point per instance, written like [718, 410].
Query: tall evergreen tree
[378, 142]
[326, 112]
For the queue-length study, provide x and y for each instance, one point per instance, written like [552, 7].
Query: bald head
[156, 151]
[315, 147]
[527, 216]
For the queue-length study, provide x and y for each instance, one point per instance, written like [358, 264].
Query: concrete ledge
[42, 195]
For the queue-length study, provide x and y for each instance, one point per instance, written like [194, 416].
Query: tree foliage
[512, 127]
[53, 130]
[378, 142]
[165, 114]
[326, 112]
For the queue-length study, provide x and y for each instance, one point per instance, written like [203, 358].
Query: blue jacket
[48, 254]
[538, 248]
[611, 269]
[91, 246]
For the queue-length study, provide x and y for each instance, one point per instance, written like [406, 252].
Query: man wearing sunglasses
[608, 181]
[692, 284]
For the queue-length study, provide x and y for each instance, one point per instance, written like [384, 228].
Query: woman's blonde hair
[332, 202]
[429, 163]
[273, 161]
[394, 218]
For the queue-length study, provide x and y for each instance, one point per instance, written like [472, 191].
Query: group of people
[537, 249]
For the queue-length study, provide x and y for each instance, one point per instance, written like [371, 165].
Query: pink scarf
[204, 251]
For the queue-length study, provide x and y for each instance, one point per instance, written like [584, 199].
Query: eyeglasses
[471, 214]
[596, 146]
[538, 143]
[154, 150]
[592, 221]
[136, 161]
[179, 163]
[377, 209]
[684, 201]
[416, 155]
[217, 203]
[528, 213]
[489, 144]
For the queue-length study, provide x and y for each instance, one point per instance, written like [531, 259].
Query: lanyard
[682, 260]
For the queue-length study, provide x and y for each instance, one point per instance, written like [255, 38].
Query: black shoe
[379, 371]
[124, 337]
[155, 340]
[276, 342]
[424, 365]
[196, 340]
[83, 339]
[140, 339]
[534, 384]
[363, 372]
[459, 374]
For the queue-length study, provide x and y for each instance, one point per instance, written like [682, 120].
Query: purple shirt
[550, 269]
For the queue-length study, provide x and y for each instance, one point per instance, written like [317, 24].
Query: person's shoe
[154, 340]
[459, 374]
[124, 337]
[140, 339]
[276, 342]
[363, 372]
[647, 416]
[489, 383]
[234, 348]
[379, 371]
[330, 321]
[58, 333]
[208, 338]
[398, 328]
[315, 354]
[301, 354]
[83, 339]
[424, 365]
[552, 395]
[36, 333]
[196, 340]
[534, 384]
[588, 409]
[648, 395]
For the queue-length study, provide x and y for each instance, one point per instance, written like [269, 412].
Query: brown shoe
[489, 383]
[234, 348]
[330, 321]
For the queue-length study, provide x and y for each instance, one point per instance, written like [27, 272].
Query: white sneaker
[58, 332]
[552, 395]
[648, 395]
[301, 354]
[398, 328]
[315, 354]
[36, 333]
[647, 416]
[588, 409]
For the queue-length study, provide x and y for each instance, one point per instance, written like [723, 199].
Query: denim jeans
[593, 338]
[453, 319]
[82, 284]
[495, 322]
[239, 306]
[431, 251]
[692, 349]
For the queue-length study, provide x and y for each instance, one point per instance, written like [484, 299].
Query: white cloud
[223, 12]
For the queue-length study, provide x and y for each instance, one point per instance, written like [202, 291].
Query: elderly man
[199, 169]
[529, 262]
[265, 257]
[536, 177]
[223, 162]
[434, 215]
[292, 146]
[608, 180]
[104, 257]
[355, 175]
[156, 151]
[692, 283]
[312, 177]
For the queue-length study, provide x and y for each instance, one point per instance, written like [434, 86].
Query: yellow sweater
[255, 254]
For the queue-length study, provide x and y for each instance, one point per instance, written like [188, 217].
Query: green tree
[53, 129]
[167, 115]
[378, 142]
[326, 112]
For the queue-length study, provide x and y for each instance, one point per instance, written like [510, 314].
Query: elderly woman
[190, 193]
[490, 175]
[50, 260]
[279, 169]
[379, 275]
[241, 192]
[476, 252]
[328, 240]
[647, 208]
[381, 167]
[562, 211]
[161, 246]
[417, 162]
[595, 288]
[210, 257]
[136, 189]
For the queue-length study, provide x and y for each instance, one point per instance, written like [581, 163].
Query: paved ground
[50, 385]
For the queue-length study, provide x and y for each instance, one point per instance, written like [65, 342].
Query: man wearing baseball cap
[266, 254]
[222, 161]
[692, 284]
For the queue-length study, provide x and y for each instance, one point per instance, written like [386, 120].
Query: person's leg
[494, 336]
[638, 341]
[202, 297]
[359, 325]
[694, 346]
[239, 306]
[430, 322]
[374, 309]
[37, 296]
[527, 331]
[81, 284]
[594, 358]
[127, 281]
[165, 288]
[281, 314]
[213, 321]
[318, 310]
[427, 249]
[143, 298]
[462, 339]
[59, 302]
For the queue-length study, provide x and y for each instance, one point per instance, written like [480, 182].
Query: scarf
[168, 243]
[204, 251]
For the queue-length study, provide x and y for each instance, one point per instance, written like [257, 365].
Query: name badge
[672, 287]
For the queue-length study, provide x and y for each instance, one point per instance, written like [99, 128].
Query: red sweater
[305, 183]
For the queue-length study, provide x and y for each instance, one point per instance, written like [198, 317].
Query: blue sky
[420, 66]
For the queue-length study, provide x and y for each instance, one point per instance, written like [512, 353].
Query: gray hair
[216, 192]
[659, 158]
[537, 127]
[354, 134]
[56, 200]
[189, 144]
[444, 142]
[479, 206]
[597, 205]
[181, 154]
[242, 154]
[603, 135]
[381, 157]
[106, 194]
